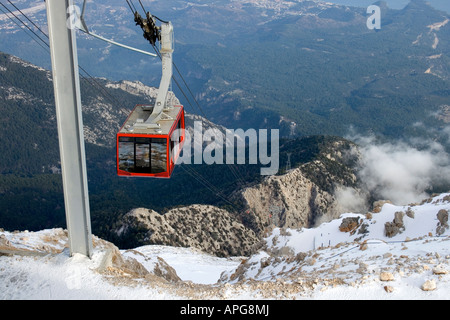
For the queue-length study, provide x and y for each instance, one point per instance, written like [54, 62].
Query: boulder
[349, 224]
[395, 227]
[386, 276]
[378, 205]
[442, 225]
[429, 285]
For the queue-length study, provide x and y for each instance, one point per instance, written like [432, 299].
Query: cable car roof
[140, 115]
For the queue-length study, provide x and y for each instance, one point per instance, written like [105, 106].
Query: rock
[390, 229]
[349, 224]
[300, 256]
[410, 213]
[388, 289]
[363, 246]
[439, 270]
[113, 260]
[164, 270]
[429, 285]
[4, 241]
[395, 227]
[442, 225]
[442, 216]
[207, 228]
[304, 196]
[398, 219]
[386, 276]
[378, 205]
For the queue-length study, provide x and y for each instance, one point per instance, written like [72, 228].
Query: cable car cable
[208, 185]
[20, 27]
[205, 182]
[36, 26]
[140, 2]
[236, 173]
[132, 5]
[24, 24]
[98, 86]
[193, 173]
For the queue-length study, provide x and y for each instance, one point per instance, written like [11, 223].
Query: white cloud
[400, 172]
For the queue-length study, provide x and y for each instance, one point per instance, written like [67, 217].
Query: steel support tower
[66, 82]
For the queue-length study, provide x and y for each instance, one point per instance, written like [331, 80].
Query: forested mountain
[310, 68]
[306, 67]
[31, 194]
[327, 72]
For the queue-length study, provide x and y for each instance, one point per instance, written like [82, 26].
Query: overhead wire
[129, 6]
[20, 27]
[37, 27]
[142, 6]
[23, 23]
[193, 173]
[235, 172]
[132, 5]
[90, 79]
[94, 83]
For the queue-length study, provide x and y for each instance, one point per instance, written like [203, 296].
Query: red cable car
[151, 139]
[150, 151]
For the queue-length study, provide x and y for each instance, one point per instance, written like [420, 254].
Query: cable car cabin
[150, 150]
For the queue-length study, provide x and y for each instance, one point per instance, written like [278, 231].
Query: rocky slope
[366, 252]
[328, 262]
[306, 194]
[203, 227]
[290, 200]
[298, 198]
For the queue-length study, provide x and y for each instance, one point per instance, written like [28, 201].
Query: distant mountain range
[306, 67]
[31, 195]
[312, 69]
[442, 5]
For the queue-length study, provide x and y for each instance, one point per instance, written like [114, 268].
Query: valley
[311, 69]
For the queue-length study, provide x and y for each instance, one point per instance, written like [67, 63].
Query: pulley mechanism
[164, 35]
[151, 31]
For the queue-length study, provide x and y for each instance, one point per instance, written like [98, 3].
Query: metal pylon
[66, 82]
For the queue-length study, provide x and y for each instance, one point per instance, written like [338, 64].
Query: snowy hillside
[347, 258]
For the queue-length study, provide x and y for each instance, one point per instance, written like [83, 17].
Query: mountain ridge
[34, 188]
[360, 263]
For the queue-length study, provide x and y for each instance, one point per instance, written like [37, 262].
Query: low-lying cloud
[400, 172]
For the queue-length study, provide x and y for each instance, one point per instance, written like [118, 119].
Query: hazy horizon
[394, 4]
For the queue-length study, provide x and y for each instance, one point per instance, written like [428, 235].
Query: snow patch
[315, 263]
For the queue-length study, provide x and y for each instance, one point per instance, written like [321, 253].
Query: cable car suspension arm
[163, 34]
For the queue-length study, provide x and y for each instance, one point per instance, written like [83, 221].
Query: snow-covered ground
[319, 263]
